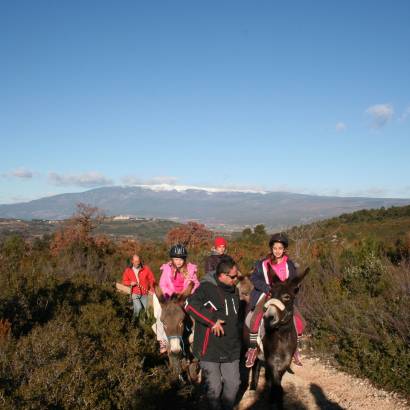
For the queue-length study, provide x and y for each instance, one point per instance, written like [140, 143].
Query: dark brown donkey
[280, 339]
[177, 325]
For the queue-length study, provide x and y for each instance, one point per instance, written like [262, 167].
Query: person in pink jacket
[176, 275]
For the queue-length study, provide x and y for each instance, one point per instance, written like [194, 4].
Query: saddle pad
[123, 289]
[156, 306]
[261, 331]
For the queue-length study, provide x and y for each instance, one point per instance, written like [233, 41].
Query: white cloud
[85, 180]
[380, 114]
[19, 173]
[340, 126]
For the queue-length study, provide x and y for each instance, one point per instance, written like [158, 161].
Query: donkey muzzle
[272, 309]
[175, 344]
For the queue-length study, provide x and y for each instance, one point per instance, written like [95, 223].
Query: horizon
[259, 97]
[209, 190]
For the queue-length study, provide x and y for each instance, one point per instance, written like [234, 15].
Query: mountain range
[229, 209]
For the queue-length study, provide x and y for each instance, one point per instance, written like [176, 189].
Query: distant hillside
[26, 229]
[390, 226]
[221, 210]
[148, 229]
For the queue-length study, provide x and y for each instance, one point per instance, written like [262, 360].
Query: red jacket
[146, 280]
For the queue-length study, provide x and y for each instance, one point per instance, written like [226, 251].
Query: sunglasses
[230, 276]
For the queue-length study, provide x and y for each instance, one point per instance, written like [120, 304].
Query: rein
[280, 306]
[181, 340]
[140, 287]
[286, 318]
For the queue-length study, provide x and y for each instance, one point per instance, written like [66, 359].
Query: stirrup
[296, 359]
[251, 356]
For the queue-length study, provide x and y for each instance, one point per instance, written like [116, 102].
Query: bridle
[181, 341]
[278, 304]
[180, 338]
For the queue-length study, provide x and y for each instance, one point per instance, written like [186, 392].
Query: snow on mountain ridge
[210, 190]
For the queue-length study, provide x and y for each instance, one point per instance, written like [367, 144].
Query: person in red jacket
[141, 280]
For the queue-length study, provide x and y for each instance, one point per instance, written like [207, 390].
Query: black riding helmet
[279, 237]
[178, 251]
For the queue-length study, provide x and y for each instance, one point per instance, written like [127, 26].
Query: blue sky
[297, 96]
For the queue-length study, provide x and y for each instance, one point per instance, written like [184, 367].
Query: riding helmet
[178, 251]
[279, 237]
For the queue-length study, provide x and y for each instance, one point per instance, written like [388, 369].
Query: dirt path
[316, 386]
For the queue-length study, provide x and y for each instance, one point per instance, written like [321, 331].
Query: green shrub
[367, 277]
[72, 343]
[89, 357]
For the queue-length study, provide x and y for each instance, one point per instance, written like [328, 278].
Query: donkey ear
[298, 279]
[183, 295]
[159, 294]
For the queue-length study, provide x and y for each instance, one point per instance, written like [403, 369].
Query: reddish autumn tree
[77, 229]
[192, 234]
[128, 247]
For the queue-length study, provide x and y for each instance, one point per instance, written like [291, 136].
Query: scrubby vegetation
[357, 300]
[358, 307]
[66, 338]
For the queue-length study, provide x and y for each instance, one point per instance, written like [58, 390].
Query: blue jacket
[262, 280]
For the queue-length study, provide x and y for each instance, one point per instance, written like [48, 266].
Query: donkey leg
[276, 394]
[268, 379]
[273, 386]
[175, 364]
[256, 369]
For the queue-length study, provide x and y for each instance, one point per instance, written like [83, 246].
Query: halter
[181, 340]
[280, 306]
[286, 318]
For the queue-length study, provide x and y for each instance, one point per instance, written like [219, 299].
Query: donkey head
[279, 309]
[173, 316]
[245, 287]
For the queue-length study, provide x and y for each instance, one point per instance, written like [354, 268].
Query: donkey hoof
[251, 392]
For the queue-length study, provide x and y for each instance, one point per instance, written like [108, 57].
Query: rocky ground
[319, 386]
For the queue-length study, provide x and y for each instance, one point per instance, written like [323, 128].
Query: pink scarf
[178, 280]
[281, 269]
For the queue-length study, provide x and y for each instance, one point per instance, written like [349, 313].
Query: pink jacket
[166, 282]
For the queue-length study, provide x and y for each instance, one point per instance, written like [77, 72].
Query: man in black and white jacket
[217, 341]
